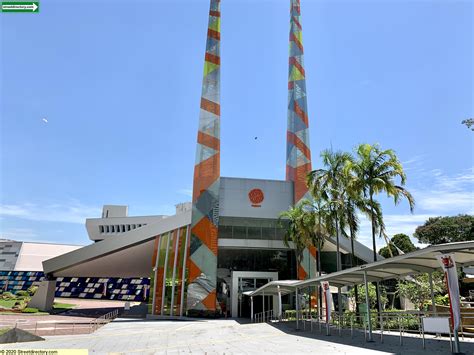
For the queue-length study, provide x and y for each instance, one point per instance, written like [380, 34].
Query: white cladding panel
[234, 198]
[32, 255]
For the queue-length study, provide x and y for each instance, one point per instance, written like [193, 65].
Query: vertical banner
[327, 299]
[451, 275]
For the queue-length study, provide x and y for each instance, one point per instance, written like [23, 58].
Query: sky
[119, 85]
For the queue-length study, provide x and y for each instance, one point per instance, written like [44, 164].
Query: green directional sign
[20, 6]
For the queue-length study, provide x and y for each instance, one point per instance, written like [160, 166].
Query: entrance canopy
[274, 287]
[419, 261]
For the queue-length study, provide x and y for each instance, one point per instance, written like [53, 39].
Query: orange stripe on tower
[301, 114]
[297, 42]
[210, 301]
[213, 58]
[207, 233]
[293, 138]
[300, 180]
[193, 270]
[208, 140]
[214, 34]
[205, 173]
[294, 62]
[210, 106]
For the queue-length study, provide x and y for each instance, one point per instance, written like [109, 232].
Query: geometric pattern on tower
[298, 153]
[202, 262]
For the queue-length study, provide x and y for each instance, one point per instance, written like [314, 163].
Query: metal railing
[399, 323]
[263, 317]
[54, 327]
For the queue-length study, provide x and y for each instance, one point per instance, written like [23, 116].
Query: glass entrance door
[250, 284]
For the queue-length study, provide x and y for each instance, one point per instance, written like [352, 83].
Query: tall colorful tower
[298, 154]
[202, 262]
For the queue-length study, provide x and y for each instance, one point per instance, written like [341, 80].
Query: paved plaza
[229, 337]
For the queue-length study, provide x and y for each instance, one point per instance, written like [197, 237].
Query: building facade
[21, 267]
[228, 240]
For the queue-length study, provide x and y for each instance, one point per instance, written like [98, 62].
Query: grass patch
[4, 330]
[7, 303]
[63, 305]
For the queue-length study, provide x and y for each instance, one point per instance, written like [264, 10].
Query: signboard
[327, 299]
[256, 197]
[436, 325]
[451, 276]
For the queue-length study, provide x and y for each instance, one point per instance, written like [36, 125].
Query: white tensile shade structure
[420, 261]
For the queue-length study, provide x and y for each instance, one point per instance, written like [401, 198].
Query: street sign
[20, 6]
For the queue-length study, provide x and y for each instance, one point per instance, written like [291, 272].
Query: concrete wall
[234, 198]
[32, 255]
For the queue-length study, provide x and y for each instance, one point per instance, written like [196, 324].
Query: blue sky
[119, 83]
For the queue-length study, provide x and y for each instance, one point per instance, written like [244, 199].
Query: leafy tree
[400, 241]
[418, 290]
[372, 295]
[439, 230]
[294, 231]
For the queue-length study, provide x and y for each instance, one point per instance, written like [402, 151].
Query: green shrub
[30, 310]
[22, 294]
[8, 296]
[442, 300]
[32, 290]
[19, 304]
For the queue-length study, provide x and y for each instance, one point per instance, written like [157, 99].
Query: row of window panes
[122, 228]
[246, 232]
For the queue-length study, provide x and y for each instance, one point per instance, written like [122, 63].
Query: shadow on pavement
[390, 344]
[90, 312]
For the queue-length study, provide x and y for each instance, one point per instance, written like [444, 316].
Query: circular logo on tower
[256, 196]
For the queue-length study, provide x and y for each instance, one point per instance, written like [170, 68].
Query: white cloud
[187, 192]
[448, 194]
[19, 234]
[394, 223]
[73, 212]
[437, 194]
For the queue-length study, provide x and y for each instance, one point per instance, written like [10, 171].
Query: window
[225, 231]
[254, 233]
[240, 232]
[101, 229]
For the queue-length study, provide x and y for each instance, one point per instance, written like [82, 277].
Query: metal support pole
[433, 303]
[380, 313]
[251, 308]
[369, 324]
[263, 303]
[456, 342]
[297, 309]
[280, 307]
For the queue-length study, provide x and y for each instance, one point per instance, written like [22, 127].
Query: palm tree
[353, 202]
[374, 171]
[328, 185]
[294, 232]
[315, 221]
[316, 218]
